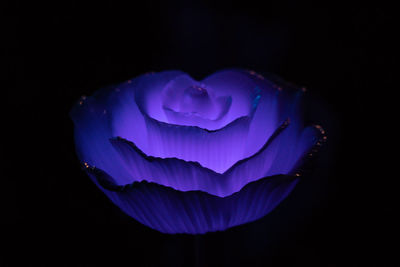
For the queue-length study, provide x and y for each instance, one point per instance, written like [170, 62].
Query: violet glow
[186, 156]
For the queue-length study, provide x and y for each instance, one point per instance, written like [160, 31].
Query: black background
[53, 215]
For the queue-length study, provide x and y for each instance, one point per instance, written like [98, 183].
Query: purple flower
[186, 156]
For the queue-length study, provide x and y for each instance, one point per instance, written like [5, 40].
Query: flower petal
[110, 112]
[185, 176]
[92, 131]
[217, 150]
[274, 101]
[172, 172]
[174, 90]
[222, 104]
[212, 149]
[273, 158]
[149, 93]
[171, 211]
[239, 87]
[278, 101]
[125, 117]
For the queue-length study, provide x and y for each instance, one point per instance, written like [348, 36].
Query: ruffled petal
[266, 117]
[222, 106]
[125, 117]
[172, 172]
[273, 158]
[114, 113]
[239, 87]
[272, 102]
[92, 131]
[110, 112]
[263, 105]
[278, 101]
[208, 114]
[310, 141]
[207, 176]
[173, 91]
[277, 156]
[149, 93]
[185, 176]
[217, 150]
[194, 212]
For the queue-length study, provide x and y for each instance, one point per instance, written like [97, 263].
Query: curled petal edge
[191, 175]
[194, 212]
[195, 163]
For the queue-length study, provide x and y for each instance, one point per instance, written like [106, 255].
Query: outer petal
[112, 112]
[194, 212]
[278, 101]
[92, 131]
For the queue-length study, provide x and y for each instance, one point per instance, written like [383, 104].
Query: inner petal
[174, 90]
[242, 90]
[197, 100]
[190, 103]
[207, 107]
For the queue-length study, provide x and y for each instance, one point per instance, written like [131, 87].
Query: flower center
[188, 102]
[196, 100]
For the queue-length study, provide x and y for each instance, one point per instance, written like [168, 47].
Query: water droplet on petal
[82, 99]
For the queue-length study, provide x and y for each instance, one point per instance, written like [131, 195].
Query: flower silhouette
[187, 156]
